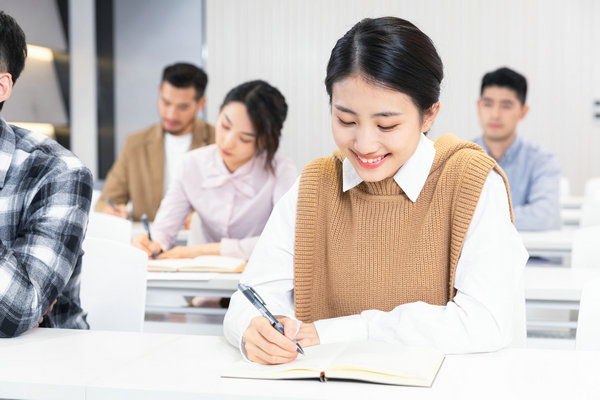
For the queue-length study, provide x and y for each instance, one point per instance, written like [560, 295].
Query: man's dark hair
[13, 47]
[184, 75]
[506, 78]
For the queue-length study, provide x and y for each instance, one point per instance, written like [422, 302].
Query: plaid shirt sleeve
[42, 230]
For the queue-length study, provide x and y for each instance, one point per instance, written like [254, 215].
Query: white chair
[588, 323]
[195, 235]
[105, 226]
[592, 188]
[113, 285]
[590, 211]
[565, 187]
[95, 197]
[585, 252]
[519, 316]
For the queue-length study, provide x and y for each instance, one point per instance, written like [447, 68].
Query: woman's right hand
[141, 242]
[265, 345]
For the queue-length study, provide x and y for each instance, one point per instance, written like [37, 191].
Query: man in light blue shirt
[533, 172]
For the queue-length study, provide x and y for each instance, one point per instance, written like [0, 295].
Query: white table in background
[178, 284]
[571, 201]
[570, 216]
[555, 288]
[65, 364]
[554, 243]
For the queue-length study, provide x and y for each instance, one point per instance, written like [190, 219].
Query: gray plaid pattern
[45, 194]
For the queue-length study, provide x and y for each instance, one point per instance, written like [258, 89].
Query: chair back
[585, 252]
[565, 187]
[113, 285]
[195, 236]
[105, 226]
[587, 336]
[590, 212]
[592, 189]
[519, 317]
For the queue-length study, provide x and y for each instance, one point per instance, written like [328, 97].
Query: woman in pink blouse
[232, 184]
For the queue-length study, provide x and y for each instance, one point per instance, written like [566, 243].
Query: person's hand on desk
[142, 242]
[46, 313]
[265, 345]
[119, 210]
[207, 249]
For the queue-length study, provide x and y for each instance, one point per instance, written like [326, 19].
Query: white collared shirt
[488, 278]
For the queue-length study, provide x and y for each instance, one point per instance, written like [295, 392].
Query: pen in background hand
[111, 204]
[260, 305]
[147, 227]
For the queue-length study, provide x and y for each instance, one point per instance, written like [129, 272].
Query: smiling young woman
[395, 237]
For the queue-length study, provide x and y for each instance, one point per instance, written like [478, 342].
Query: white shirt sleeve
[480, 318]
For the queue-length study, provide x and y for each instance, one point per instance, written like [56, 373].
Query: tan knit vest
[372, 247]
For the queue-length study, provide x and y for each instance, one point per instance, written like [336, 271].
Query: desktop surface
[70, 364]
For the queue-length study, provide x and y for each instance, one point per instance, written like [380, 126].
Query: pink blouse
[233, 207]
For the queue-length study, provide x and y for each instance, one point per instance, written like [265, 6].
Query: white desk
[178, 284]
[555, 288]
[555, 243]
[571, 201]
[570, 216]
[65, 364]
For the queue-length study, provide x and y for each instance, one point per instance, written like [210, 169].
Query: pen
[111, 204]
[147, 227]
[260, 305]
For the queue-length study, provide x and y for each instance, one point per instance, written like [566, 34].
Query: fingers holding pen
[142, 242]
[265, 345]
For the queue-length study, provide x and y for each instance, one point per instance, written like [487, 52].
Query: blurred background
[94, 66]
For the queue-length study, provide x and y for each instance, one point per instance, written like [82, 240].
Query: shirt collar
[218, 174]
[410, 177]
[512, 150]
[7, 149]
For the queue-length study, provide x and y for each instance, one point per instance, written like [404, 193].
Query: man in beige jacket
[150, 158]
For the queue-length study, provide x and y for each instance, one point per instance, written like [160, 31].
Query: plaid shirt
[45, 194]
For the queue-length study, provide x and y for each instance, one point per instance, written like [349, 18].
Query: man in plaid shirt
[45, 194]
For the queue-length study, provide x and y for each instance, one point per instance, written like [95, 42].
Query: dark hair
[507, 78]
[184, 75]
[390, 52]
[267, 110]
[13, 47]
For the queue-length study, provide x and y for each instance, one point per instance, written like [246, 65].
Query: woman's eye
[350, 123]
[226, 127]
[387, 128]
[245, 140]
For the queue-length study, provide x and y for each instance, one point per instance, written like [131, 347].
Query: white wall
[84, 115]
[149, 35]
[553, 42]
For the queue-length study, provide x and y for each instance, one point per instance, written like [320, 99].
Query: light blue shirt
[534, 178]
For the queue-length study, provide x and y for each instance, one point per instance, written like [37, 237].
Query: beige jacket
[138, 172]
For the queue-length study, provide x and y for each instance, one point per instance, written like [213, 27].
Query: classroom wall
[149, 35]
[552, 42]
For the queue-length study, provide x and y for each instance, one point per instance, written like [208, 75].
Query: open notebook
[367, 361]
[198, 264]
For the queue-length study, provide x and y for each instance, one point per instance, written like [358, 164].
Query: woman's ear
[429, 116]
[6, 84]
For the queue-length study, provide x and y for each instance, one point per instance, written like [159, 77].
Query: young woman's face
[235, 136]
[376, 128]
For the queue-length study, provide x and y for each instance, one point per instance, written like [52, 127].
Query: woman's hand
[192, 251]
[141, 242]
[265, 345]
[307, 335]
